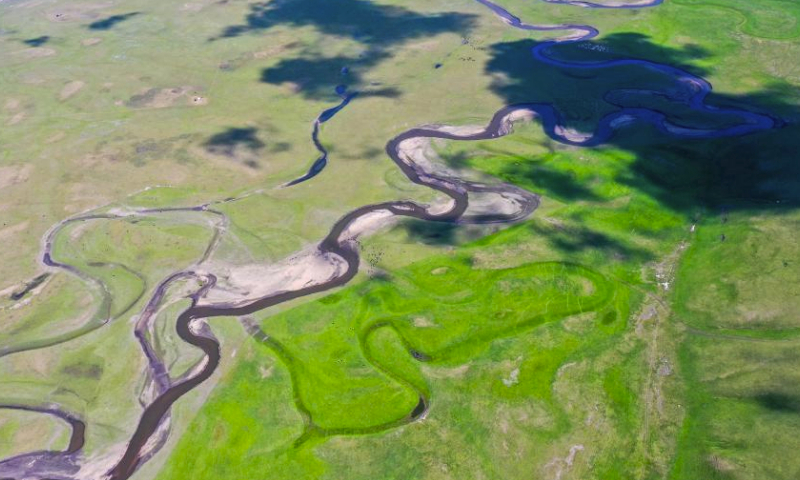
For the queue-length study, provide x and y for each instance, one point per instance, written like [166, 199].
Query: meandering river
[340, 243]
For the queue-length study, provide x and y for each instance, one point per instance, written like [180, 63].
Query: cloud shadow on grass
[241, 144]
[37, 42]
[316, 77]
[112, 21]
[754, 171]
[367, 22]
[576, 238]
[779, 402]
[226, 142]
[380, 29]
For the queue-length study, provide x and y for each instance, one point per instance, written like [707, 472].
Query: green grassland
[347, 361]
[631, 375]
[738, 286]
[740, 360]
[556, 299]
[641, 325]
[23, 431]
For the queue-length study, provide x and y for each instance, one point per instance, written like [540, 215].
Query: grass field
[641, 325]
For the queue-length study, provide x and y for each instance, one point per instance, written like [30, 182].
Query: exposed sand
[493, 203]
[423, 322]
[441, 206]
[461, 130]
[166, 97]
[243, 284]
[419, 151]
[18, 117]
[71, 89]
[622, 121]
[512, 379]
[266, 372]
[240, 285]
[96, 466]
[12, 104]
[88, 42]
[521, 115]
[78, 230]
[561, 465]
[368, 223]
[517, 116]
[572, 134]
[577, 34]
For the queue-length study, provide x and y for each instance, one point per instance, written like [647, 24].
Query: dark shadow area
[92, 371]
[625, 45]
[559, 184]
[379, 28]
[364, 21]
[580, 95]
[374, 91]
[778, 402]
[457, 160]
[445, 234]
[241, 144]
[315, 77]
[37, 42]
[432, 233]
[574, 239]
[112, 21]
[279, 147]
[227, 142]
[755, 171]
[529, 173]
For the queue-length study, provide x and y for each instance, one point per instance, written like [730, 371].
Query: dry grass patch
[88, 42]
[167, 97]
[71, 89]
[15, 174]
